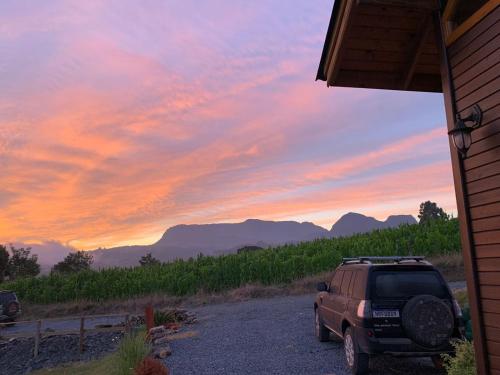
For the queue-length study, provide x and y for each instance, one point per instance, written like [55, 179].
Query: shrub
[464, 362]
[132, 350]
[150, 366]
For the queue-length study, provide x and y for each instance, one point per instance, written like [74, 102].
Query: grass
[132, 350]
[105, 365]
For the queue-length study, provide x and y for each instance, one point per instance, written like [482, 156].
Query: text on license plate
[386, 313]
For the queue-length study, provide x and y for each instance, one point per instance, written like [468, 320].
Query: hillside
[185, 241]
[352, 223]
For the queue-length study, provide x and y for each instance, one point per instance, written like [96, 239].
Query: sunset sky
[119, 119]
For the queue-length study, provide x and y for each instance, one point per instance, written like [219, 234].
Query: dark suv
[401, 306]
[9, 306]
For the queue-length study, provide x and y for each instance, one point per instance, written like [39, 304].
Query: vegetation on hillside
[212, 274]
[17, 263]
[74, 262]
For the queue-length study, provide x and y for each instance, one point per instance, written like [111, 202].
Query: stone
[160, 340]
[158, 329]
[162, 352]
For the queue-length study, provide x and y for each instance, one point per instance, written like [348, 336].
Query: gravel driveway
[269, 336]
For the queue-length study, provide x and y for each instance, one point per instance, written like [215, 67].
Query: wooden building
[451, 47]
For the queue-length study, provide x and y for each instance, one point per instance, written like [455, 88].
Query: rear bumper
[399, 347]
[4, 318]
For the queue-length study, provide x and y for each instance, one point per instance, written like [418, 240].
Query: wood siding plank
[487, 170]
[485, 157]
[494, 362]
[474, 85]
[488, 251]
[488, 183]
[489, 265]
[486, 197]
[490, 223]
[488, 237]
[493, 347]
[479, 95]
[476, 57]
[492, 320]
[488, 210]
[490, 305]
[489, 278]
[479, 68]
[493, 334]
[462, 45]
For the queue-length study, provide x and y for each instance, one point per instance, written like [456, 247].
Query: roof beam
[338, 40]
[418, 48]
[429, 5]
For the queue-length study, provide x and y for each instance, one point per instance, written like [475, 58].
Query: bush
[464, 362]
[150, 366]
[132, 350]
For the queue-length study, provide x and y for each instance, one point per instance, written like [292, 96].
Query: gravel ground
[269, 336]
[16, 356]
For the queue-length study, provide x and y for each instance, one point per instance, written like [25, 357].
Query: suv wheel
[358, 362]
[322, 333]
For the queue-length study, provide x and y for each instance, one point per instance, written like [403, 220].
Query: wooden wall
[474, 61]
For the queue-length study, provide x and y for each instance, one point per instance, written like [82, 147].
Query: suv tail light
[457, 309]
[364, 309]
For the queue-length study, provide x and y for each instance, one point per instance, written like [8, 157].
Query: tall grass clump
[131, 352]
[278, 265]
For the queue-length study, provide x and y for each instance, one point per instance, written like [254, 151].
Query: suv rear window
[405, 284]
[6, 297]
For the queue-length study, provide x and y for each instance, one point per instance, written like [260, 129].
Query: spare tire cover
[12, 308]
[428, 321]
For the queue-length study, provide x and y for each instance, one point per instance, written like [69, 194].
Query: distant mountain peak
[188, 240]
[353, 223]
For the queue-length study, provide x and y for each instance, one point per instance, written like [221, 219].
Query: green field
[213, 274]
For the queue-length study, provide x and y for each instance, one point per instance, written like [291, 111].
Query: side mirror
[322, 287]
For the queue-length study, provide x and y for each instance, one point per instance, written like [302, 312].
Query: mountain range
[184, 241]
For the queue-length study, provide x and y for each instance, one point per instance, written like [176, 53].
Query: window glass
[351, 284]
[397, 284]
[345, 283]
[336, 281]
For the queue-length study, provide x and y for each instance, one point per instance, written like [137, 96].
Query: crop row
[270, 266]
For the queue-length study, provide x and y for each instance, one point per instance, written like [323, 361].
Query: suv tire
[357, 362]
[428, 321]
[321, 332]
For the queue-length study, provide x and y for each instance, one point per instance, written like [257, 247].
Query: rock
[156, 330]
[162, 352]
[160, 340]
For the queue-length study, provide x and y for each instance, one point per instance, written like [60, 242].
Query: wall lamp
[461, 133]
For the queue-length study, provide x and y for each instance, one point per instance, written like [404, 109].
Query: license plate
[386, 313]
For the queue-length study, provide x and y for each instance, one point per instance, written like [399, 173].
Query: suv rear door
[342, 300]
[391, 289]
[330, 300]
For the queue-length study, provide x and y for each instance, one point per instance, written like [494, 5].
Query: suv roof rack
[394, 259]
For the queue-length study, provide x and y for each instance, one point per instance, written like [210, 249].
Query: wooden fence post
[37, 337]
[82, 331]
[149, 314]
[127, 324]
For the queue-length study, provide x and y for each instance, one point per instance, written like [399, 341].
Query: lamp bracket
[476, 117]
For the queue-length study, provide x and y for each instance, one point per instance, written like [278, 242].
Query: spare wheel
[428, 321]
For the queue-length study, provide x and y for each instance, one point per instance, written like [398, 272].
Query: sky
[119, 119]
